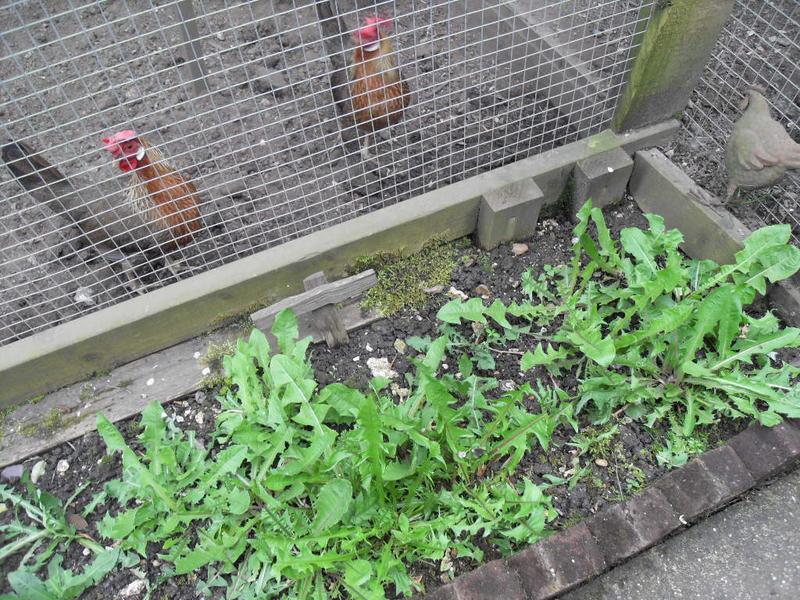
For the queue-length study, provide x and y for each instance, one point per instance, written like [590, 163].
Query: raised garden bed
[538, 449]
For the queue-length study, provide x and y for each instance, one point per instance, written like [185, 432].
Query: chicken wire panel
[760, 45]
[238, 98]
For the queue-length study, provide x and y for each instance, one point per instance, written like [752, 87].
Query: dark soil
[630, 459]
[263, 141]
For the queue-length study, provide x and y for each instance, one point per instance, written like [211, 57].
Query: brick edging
[575, 555]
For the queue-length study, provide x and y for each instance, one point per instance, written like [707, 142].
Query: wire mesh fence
[241, 101]
[760, 45]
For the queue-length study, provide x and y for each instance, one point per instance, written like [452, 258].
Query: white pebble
[133, 590]
[199, 418]
[206, 371]
[38, 470]
[356, 358]
[368, 348]
[196, 355]
[62, 466]
[151, 381]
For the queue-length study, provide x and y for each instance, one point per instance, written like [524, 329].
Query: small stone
[133, 590]
[400, 346]
[507, 386]
[601, 462]
[220, 36]
[86, 552]
[38, 470]
[199, 418]
[200, 396]
[380, 367]
[150, 381]
[368, 348]
[453, 292]
[62, 466]
[483, 291]
[437, 289]
[401, 392]
[356, 358]
[196, 355]
[12, 473]
[519, 249]
[179, 419]
[206, 372]
[77, 521]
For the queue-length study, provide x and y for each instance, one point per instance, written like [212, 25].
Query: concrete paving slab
[749, 551]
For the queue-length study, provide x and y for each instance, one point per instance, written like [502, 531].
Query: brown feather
[378, 91]
[170, 199]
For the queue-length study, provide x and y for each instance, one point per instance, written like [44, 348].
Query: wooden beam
[672, 54]
[192, 50]
[316, 298]
[326, 320]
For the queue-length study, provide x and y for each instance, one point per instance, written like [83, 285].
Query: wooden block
[326, 319]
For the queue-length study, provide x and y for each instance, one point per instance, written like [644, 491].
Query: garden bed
[578, 473]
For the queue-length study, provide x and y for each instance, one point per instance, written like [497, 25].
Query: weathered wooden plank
[710, 231]
[167, 375]
[331, 293]
[70, 412]
[326, 319]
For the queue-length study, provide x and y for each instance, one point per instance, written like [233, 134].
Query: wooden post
[673, 51]
[192, 50]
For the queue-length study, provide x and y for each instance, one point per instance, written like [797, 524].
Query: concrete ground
[749, 551]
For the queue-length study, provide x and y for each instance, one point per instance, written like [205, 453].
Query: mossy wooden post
[673, 51]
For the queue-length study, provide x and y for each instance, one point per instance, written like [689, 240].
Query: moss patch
[49, 424]
[403, 279]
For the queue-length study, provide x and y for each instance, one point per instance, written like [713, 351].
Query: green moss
[49, 424]
[37, 399]
[125, 383]
[403, 279]
[216, 352]
[3, 416]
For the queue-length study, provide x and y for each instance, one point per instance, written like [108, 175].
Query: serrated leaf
[332, 504]
[497, 311]
[638, 244]
[542, 357]
[433, 358]
[789, 337]
[29, 587]
[456, 310]
[589, 341]
[285, 330]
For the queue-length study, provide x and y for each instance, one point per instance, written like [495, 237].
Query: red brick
[692, 490]
[767, 451]
[728, 469]
[492, 581]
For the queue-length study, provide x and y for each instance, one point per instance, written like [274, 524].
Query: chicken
[158, 212]
[759, 151]
[378, 92]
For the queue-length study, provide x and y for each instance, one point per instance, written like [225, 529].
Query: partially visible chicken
[759, 151]
[377, 89]
[158, 213]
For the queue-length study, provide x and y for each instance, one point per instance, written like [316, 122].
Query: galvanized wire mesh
[760, 45]
[238, 97]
